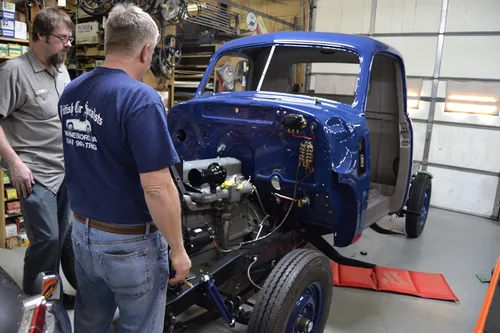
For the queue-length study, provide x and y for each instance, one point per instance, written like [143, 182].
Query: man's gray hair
[128, 28]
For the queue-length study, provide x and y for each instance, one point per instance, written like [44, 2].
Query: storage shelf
[6, 58]
[4, 217]
[14, 40]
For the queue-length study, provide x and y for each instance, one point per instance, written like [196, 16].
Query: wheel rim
[306, 315]
[425, 207]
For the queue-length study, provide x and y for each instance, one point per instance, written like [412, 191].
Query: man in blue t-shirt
[117, 152]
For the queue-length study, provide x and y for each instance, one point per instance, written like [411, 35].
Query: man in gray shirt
[30, 139]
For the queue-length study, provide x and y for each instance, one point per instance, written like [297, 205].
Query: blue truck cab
[357, 143]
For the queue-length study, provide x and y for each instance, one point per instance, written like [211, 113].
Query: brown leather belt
[116, 229]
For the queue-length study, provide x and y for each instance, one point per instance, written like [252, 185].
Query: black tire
[68, 259]
[287, 282]
[419, 200]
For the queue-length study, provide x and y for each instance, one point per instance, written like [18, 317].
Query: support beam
[435, 83]
[237, 5]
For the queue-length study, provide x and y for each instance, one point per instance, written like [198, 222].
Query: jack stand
[214, 294]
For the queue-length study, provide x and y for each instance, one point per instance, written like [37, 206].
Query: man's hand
[21, 178]
[181, 264]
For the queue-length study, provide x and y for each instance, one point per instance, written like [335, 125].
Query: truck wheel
[296, 296]
[419, 200]
[68, 259]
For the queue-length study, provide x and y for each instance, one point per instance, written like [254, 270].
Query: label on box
[14, 50]
[87, 33]
[10, 25]
[6, 33]
[4, 52]
[8, 6]
[10, 230]
[7, 15]
[11, 194]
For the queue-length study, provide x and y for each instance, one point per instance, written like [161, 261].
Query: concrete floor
[456, 245]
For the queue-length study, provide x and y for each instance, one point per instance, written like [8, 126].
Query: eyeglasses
[65, 40]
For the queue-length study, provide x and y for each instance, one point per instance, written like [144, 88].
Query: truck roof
[364, 45]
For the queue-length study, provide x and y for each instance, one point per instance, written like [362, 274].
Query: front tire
[296, 296]
[418, 201]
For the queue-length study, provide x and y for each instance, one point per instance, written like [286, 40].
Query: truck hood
[319, 107]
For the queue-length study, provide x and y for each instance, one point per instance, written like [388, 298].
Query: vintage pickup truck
[273, 173]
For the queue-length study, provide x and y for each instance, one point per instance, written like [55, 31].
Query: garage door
[453, 69]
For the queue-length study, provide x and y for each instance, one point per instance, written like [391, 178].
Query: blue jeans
[46, 217]
[125, 271]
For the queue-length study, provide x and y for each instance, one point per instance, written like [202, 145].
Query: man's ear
[145, 52]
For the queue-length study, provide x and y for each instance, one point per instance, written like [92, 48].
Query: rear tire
[418, 201]
[298, 289]
[68, 259]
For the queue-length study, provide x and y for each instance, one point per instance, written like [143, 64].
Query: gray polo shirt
[29, 95]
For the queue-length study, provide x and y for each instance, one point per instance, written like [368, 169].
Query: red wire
[301, 136]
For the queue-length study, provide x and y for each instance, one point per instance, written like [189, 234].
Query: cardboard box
[14, 50]
[23, 239]
[12, 242]
[6, 33]
[10, 230]
[20, 30]
[7, 16]
[87, 33]
[4, 52]
[10, 194]
[24, 49]
[13, 207]
[9, 25]
[19, 221]
[7, 11]
[8, 6]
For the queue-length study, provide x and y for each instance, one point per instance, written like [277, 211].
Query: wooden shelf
[14, 40]
[3, 215]
[6, 58]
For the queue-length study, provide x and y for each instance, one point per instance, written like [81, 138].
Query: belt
[116, 229]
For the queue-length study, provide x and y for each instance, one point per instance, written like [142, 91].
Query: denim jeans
[126, 271]
[46, 217]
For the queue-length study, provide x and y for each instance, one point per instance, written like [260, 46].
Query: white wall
[462, 152]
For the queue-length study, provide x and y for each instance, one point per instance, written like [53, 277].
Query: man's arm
[148, 136]
[163, 202]
[20, 175]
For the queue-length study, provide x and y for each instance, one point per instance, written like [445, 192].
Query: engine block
[215, 203]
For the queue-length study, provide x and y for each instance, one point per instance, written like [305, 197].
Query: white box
[10, 230]
[21, 30]
[87, 33]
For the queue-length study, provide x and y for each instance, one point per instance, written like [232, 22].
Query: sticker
[41, 91]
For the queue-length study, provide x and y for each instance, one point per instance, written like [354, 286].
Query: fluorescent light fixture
[413, 103]
[472, 104]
